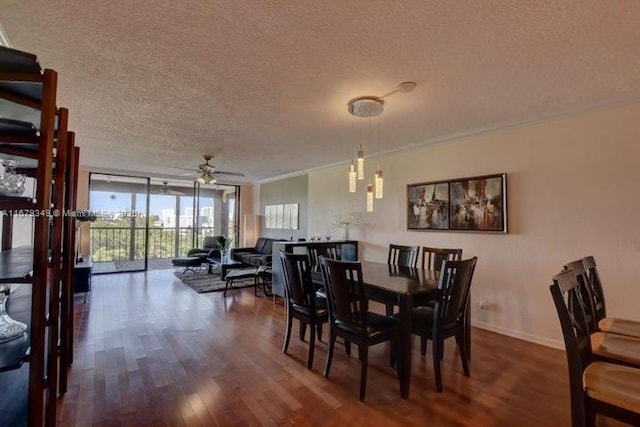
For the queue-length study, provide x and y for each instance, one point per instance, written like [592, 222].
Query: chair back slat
[404, 256]
[432, 257]
[345, 292]
[453, 292]
[583, 295]
[297, 279]
[316, 250]
[593, 279]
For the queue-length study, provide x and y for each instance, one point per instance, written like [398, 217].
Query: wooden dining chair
[595, 386]
[447, 317]
[315, 251]
[349, 315]
[432, 257]
[401, 256]
[301, 302]
[605, 346]
[613, 325]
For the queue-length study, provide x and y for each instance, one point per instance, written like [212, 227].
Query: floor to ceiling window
[144, 223]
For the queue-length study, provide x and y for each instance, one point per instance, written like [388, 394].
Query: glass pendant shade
[352, 178]
[369, 198]
[360, 164]
[379, 182]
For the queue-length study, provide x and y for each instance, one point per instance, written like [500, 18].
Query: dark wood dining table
[407, 287]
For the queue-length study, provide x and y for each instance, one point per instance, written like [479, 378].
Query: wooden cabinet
[33, 131]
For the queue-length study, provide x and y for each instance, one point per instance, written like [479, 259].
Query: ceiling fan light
[201, 180]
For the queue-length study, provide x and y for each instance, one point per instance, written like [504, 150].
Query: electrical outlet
[483, 304]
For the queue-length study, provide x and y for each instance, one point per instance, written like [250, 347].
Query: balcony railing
[128, 243]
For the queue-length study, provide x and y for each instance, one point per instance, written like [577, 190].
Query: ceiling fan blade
[194, 173]
[228, 173]
[184, 169]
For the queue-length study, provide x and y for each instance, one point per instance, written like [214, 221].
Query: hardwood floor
[150, 351]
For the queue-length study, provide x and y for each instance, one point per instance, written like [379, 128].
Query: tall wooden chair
[605, 346]
[447, 317]
[401, 256]
[432, 257]
[404, 256]
[315, 251]
[613, 325]
[349, 315]
[300, 301]
[595, 387]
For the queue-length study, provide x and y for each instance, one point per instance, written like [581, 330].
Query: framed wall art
[466, 204]
[428, 206]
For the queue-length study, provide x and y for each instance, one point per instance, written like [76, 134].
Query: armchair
[210, 248]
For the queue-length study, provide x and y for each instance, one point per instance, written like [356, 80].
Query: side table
[82, 276]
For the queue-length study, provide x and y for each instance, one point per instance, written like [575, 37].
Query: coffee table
[225, 264]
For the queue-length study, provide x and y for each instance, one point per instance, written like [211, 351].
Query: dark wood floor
[150, 351]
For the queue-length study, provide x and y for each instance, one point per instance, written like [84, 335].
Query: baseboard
[547, 342]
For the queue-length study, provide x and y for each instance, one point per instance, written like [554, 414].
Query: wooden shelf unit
[47, 153]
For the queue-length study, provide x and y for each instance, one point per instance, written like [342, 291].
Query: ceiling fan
[206, 172]
[166, 190]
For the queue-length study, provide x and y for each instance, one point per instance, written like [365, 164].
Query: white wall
[572, 191]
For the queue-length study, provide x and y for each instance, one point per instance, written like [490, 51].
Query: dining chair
[613, 325]
[349, 315]
[401, 256]
[315, 251]
[605, 346]
[447, 317]
[301, 302]
[432, 257]
[595, 387]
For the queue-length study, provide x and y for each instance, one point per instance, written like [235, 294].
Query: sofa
[258, 255]
[210, 248]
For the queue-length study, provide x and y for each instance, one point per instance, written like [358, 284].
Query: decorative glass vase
[9, 329]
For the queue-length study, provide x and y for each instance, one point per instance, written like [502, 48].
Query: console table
[348, 252]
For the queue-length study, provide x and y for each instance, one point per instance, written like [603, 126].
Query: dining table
[405, 287]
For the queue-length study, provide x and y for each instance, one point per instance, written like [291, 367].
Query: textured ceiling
[263, 85]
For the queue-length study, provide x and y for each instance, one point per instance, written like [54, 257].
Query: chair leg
[423, 345]
[227, 286]
[436, 363]
[303, 330]
[327, 363]
[287, 335]
[347, 347]
[363, 353]
[461, 339]
[319, 331]
[389, 309]
[312, 346]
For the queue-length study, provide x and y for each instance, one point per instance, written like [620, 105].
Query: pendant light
[360, 164]
[369, 198]
[379, 182]
[368, 107]
[352, 177]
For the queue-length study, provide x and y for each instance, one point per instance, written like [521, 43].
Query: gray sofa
[258, 255]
